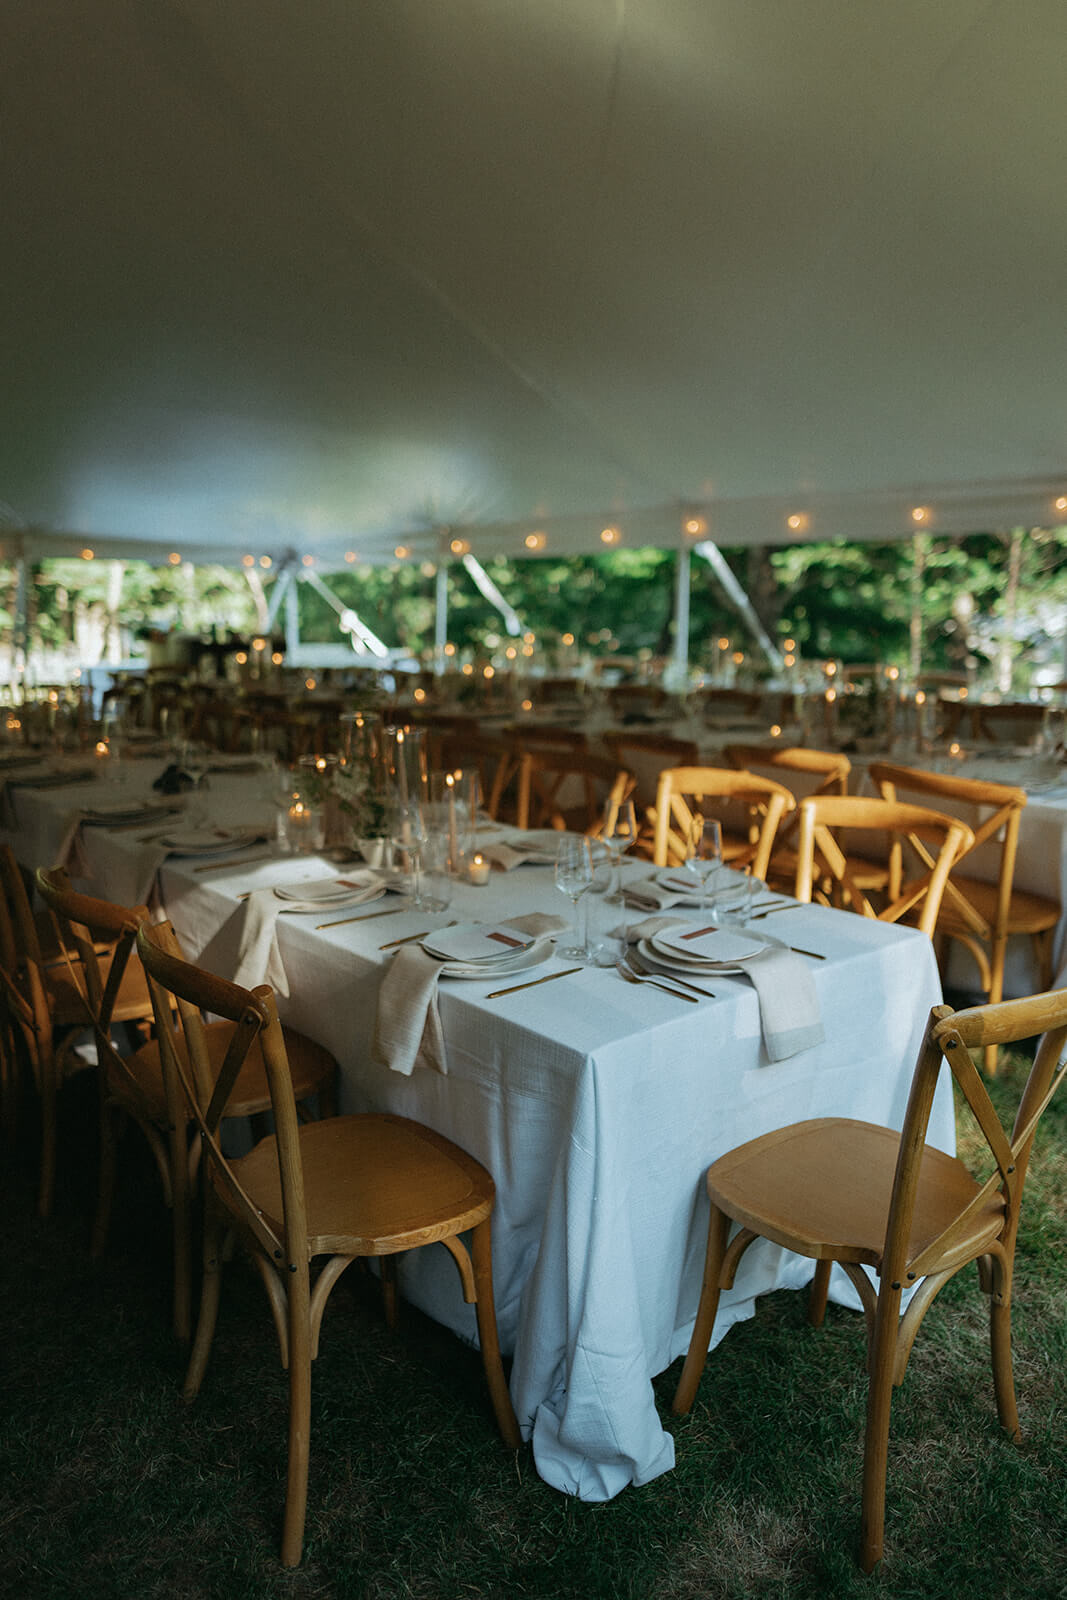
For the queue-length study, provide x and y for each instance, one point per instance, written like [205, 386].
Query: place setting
[408, 1030]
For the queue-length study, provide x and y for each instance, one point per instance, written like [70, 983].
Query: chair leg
[214, 1244]
[1000, 1349]
[685, 1394]
[488, 1338]
[387, 1269]
[296, 1487]
[180, 1234]
[998, 955]
[820, 1289]
[111, 1120]
[876, 1440]
[49, 1095]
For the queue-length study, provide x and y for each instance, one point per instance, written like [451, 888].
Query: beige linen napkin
[258, 957]
[648, 895]
[509, 856]
[407, 1032]
[790, 1018]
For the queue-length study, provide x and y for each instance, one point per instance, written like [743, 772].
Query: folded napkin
[648, 895]
[508, 856]
[408, 1033]
[790, 1017]
[258, 957]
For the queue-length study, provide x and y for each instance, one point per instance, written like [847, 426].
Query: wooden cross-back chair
[341, 1189]
[923, 842]
[646, 755]
[568, 789]
[982, 914]
[756, 804]
[834, 1189]
[492, 758]
[811, 772]
[48, 999]
[718, 705]
[131, 1085]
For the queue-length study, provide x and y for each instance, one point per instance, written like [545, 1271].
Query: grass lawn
[111, 1486]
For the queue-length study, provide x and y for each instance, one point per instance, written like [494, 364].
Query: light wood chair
[722, 705]
[835, 1189]
[981, 914]
[645, 755]
[131, 1085]
[492, 758]
[757, 804]
[343, 1188]
[824, 865]
[811, 772]
[47, 1001]
[568, 789]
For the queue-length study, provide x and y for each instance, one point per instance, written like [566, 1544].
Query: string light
[401, 552]
[308, 561]
[799, 522]
[1061, 502]
[609, 535]
[568, 639]
[174, 559]
[460, 547]
[277, 658]
[535, 541]
[350, 556]
[695, 526]
[87, 554]
[248, 561]
[265, 561]
[920, 514]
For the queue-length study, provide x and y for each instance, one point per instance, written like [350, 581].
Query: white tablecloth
[597, 1107]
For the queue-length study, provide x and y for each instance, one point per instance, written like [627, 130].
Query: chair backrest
[203, 1091]
[21, 965]
[716, 704]
[680, 788]
[494, 761]
[821, 771]
[645, 755]
[824, 819]
[993, 810]
[952, 1036]
[81, 921]
[568, 789]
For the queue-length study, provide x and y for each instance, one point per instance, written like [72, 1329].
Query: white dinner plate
[487, 942]
[493, 971]
[208, 841]
[109, 815]
[325, 890]
[714, 951]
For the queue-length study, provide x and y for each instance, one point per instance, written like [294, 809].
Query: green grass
[111, 1486]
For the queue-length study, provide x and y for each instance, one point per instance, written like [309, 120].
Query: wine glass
[574, 874]
[407, 830]
[704, 857]
[617, 835]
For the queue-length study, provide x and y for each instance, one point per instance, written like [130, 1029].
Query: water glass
[574, 876]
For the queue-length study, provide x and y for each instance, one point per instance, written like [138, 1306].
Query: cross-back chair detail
[759, 804]
[834, 1189]
[646, 755]
[982, 914]
[923, 841]
[567, 789]
[341, 1189]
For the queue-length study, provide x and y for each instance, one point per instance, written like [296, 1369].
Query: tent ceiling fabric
[328, 277]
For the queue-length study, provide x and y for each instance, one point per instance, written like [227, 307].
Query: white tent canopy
[334, 277]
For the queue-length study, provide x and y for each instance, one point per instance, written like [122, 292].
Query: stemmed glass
[407, 830]
[574, 875]
[617, 835]
[704, 856]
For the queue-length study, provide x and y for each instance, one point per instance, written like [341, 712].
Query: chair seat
[311, 1066]
[373, 1185]
[1028, 913]
[777, 1185]
[69, 1009]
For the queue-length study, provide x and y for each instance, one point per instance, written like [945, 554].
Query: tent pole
[440, 616]
[292, 617]
[681, 614]
[485, 586]
[734, 592]
[20, 631]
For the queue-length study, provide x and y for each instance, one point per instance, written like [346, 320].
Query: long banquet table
[596, 1106]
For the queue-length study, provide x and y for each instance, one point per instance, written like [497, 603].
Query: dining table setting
[596, 1075]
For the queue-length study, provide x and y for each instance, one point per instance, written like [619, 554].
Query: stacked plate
[705, 949]
[485, 950]
[128, 812]
[331, 894]
[725, 887]
[208, 841]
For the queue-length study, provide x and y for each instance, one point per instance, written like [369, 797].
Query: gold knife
[550, 978]
[368, 916]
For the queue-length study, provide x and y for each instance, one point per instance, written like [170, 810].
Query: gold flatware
[368, 916]
[666, 984]
[642, 971]
[789, 905]
[815, 954]
[550, 978]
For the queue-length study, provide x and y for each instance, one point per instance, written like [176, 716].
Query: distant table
[596, 1106]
